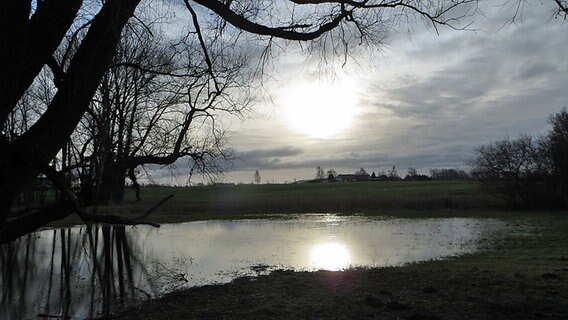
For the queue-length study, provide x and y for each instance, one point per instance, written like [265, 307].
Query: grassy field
[222, 202]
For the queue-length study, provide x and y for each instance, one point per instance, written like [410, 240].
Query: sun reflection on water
[330, 256]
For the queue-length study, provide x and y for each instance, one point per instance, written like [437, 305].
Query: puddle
[80, 273]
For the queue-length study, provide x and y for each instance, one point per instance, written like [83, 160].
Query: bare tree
[320, 175]
[155, 105]
[393, 174]
[526, 171]
[412, 172]
[331, 173]
[32, 31]
[256, 177]
[515, 170]
[557, 146]
[559, 8]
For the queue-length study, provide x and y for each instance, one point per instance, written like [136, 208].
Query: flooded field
[81, 272]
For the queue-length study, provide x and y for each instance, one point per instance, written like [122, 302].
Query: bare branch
[285, 32]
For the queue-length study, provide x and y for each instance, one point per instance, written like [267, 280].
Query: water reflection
[330, 256]
[79, 272]
[87, 272]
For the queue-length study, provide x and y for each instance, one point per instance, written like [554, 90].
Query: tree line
[527, 171]
[393, 175]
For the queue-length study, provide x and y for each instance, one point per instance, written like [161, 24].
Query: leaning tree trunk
[14, 178]
[22, 159]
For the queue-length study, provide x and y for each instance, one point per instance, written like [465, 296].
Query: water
[80, 272]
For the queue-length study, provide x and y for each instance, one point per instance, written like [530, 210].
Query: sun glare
[319, 110]
[330, 256]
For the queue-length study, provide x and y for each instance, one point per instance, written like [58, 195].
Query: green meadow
[233, 201]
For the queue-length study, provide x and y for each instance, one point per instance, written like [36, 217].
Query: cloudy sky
[425, 101]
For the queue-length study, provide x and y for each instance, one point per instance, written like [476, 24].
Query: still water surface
[84, 272]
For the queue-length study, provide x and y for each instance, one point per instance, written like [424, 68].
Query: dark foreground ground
[523, 276]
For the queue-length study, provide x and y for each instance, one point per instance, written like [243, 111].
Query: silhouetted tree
[559, 7]
[331, 172]
[516, 170]
[412, 172]
[557, 146]
[257, 177]
[153, 107]
[320, 175]
[361, 172]
[392, 174]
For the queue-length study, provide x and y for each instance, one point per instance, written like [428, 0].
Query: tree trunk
[41, 143]
[15, 176]
[111, 189]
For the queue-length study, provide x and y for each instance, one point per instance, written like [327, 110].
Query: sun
[318, 109]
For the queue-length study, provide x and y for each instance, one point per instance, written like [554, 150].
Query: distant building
[352, 177]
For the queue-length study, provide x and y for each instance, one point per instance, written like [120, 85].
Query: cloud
[270, 153]
[427, 103]
[272, 158]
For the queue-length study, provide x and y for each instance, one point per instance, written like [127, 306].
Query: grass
[323, 196]
[401, 198]
[229, 202]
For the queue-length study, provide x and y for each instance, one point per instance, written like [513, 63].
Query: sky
[425, 101]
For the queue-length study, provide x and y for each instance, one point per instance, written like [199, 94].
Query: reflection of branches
[16, 272]
[170, 278]
[102, 255]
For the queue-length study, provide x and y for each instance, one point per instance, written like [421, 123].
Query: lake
[83, 272]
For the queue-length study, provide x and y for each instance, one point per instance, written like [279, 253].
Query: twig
[153, 208]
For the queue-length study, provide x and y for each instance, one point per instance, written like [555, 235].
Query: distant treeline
[388, 175]
[527, 172]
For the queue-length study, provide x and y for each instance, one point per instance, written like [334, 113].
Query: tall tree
[32, 31]
[557, 142]
[320, 173]
[156, 105]
[517, 170]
